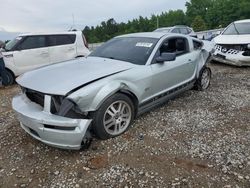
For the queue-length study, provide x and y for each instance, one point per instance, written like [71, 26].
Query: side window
[179, 46]
[32, 42]
[197, 45]
[184, 31]
[57, 40]
[175, 30]
[72, 38]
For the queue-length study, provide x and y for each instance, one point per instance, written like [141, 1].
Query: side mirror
[166, 57]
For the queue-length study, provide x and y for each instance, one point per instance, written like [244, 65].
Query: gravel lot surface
[200, 139]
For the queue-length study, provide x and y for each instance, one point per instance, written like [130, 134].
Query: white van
[31, 51]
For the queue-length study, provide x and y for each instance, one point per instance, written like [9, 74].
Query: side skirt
[162, 98]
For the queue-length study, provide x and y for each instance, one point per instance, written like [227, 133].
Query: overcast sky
[56, 15]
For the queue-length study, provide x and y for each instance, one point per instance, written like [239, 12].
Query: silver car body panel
[88, 82]
[67, 133]
[61, 78]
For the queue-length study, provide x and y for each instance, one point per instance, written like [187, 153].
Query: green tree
[197, 8]
[200, 14]
[176, 17]
[199, 24]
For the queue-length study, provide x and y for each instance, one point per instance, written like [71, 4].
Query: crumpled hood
[61, 78]
[232, 39]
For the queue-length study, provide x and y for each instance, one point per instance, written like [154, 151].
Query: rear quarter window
[197, 45]
[58, 40]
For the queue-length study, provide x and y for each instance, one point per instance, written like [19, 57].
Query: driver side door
[171, 74]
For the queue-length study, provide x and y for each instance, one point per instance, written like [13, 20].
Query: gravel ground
[200, 139]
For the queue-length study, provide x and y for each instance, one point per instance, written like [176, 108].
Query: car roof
[164, 28]
[175, 26]
[180, 26]
[243, 21]
[50, 33]
[156, 35]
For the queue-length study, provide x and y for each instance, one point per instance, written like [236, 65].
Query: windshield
[12, 43]
[135, 50]
[238, 29]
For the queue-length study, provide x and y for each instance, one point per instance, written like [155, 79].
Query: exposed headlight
[66, 108]
[248, 46]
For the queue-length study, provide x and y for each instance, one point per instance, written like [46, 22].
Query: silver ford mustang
[63, 105]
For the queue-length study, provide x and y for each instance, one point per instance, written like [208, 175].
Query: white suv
[31, 51]
[233, 45]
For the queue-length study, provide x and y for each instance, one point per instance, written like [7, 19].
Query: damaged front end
[234, 54]
[54, 120]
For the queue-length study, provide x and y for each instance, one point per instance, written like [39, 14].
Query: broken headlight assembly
[65, 107]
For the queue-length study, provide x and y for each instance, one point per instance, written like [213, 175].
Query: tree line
[200, 14]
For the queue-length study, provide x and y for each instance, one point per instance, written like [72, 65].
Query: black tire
[200, 86]
[100, 115]
[10, 78]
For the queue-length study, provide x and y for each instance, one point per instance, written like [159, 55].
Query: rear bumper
[57, 131]
[231, 59]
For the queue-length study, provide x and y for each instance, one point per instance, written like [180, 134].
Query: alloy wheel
[117, 118]
[205, 79]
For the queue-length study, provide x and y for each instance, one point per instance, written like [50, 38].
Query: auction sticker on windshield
[144, 44]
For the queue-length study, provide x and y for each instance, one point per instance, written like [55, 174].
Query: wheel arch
[111, 89]
[132, 96]
[12, 74]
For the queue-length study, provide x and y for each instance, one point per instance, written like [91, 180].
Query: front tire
[10, 79]
[114, 116]
[203, 82]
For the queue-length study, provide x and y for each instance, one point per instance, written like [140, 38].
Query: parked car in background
[210, 35]
[182, 29]
[31, 51]
[103, 93]
[233, 45]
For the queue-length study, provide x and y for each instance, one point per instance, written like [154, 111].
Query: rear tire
[114, 116]
[203, 82]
